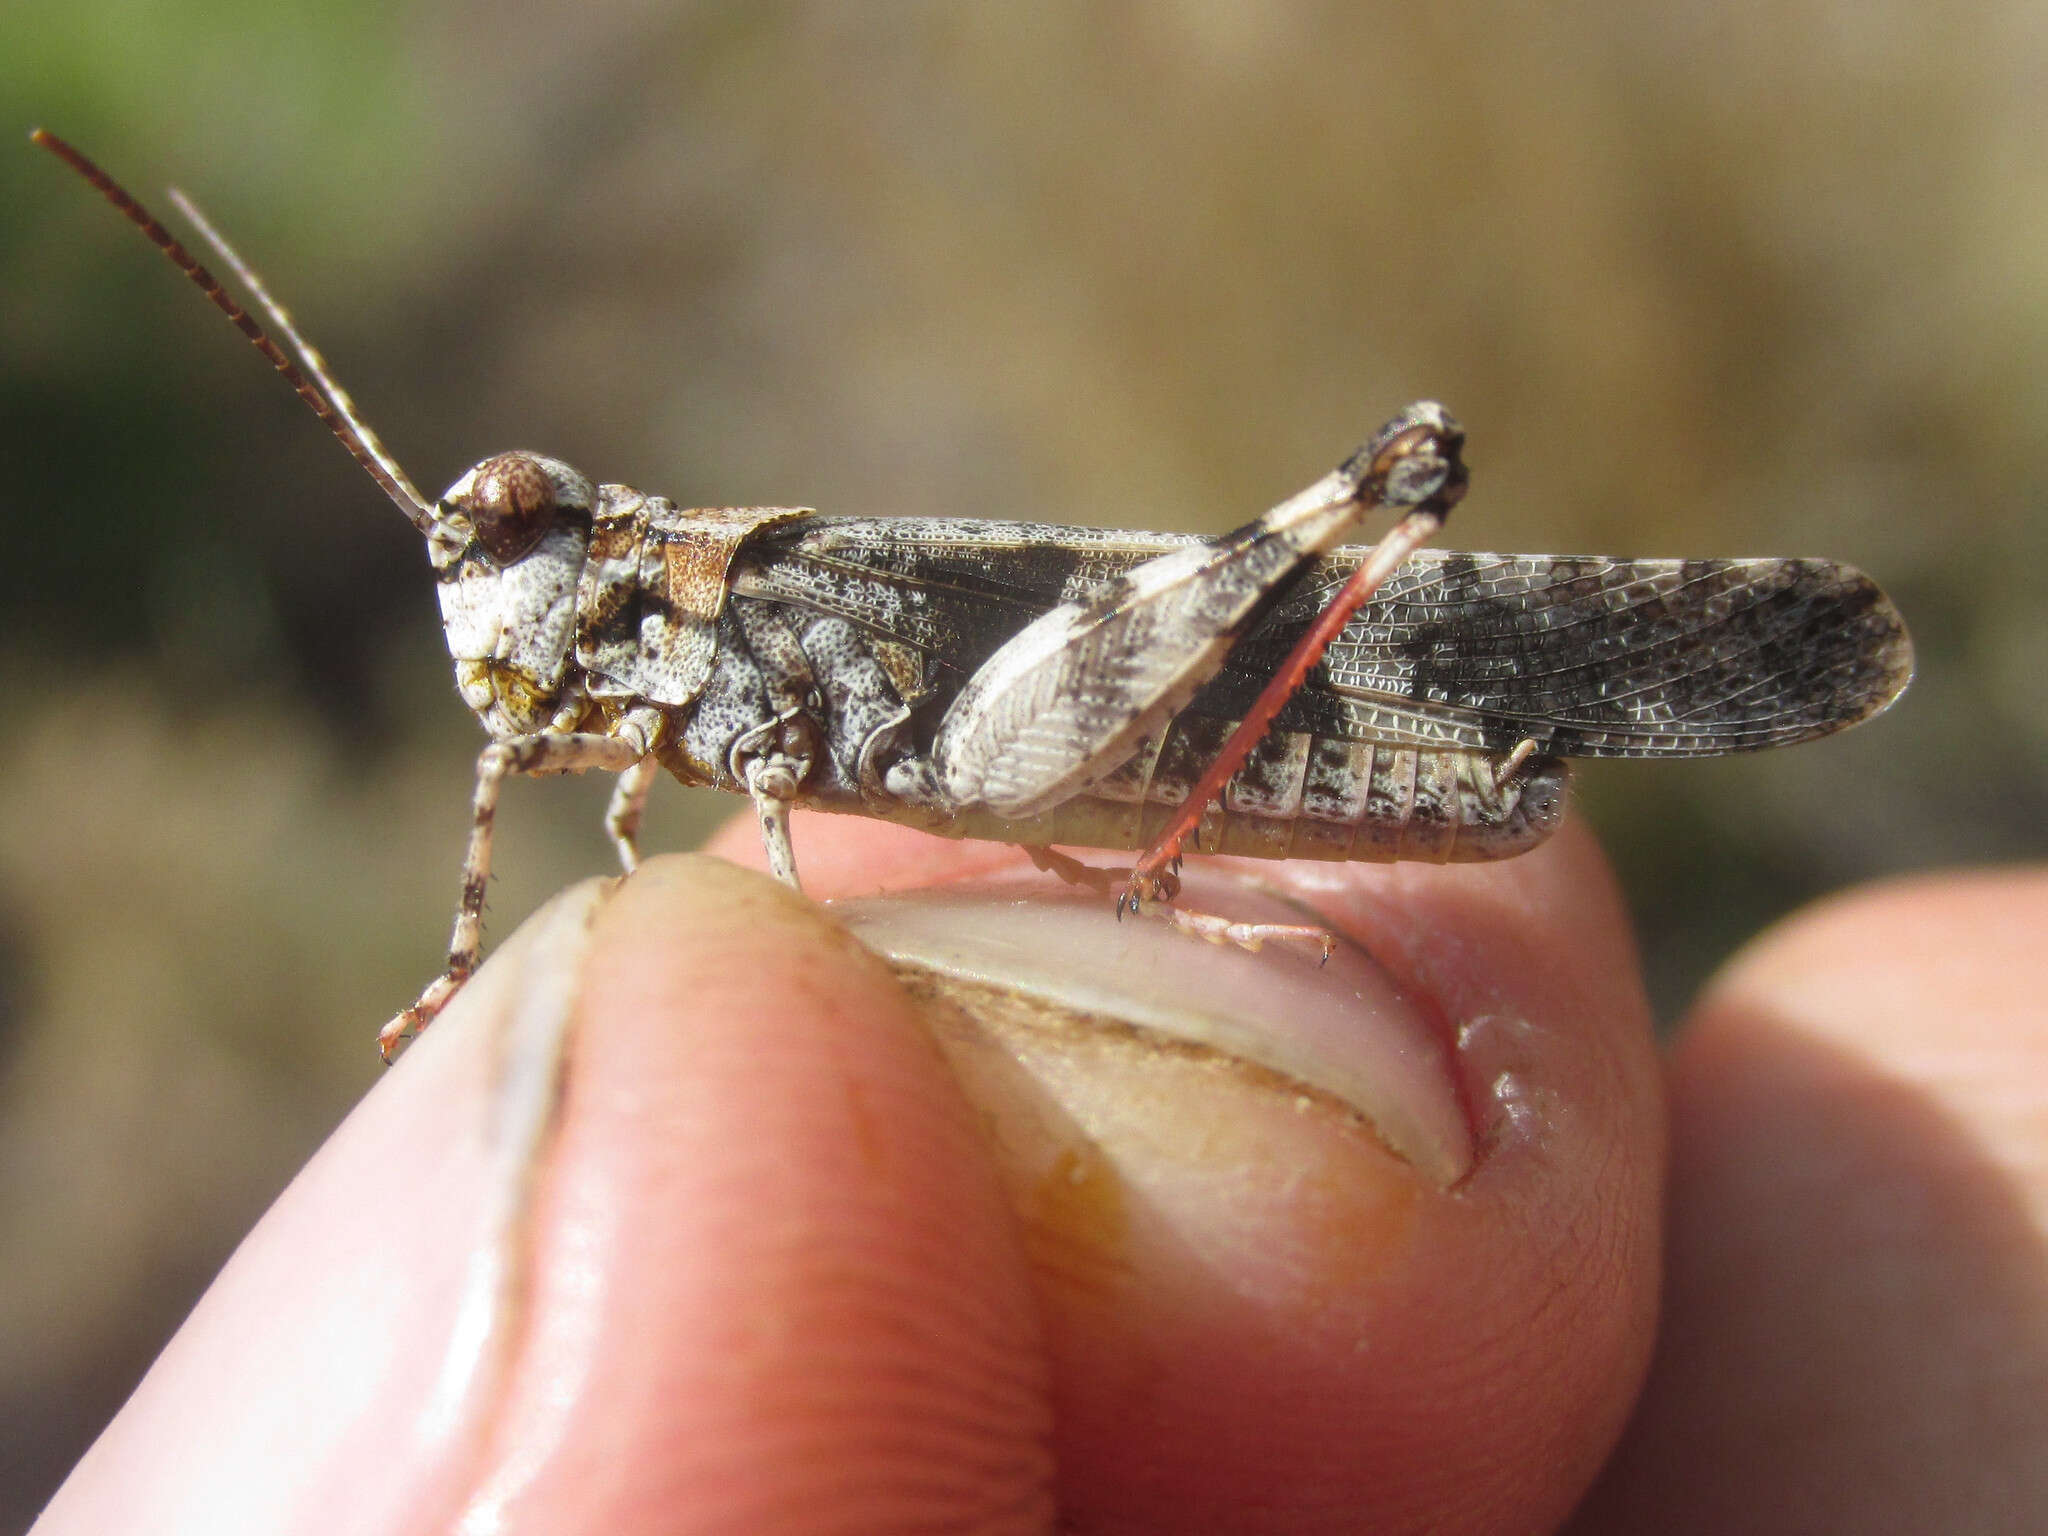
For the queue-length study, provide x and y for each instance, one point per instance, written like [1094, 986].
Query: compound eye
[511, 504]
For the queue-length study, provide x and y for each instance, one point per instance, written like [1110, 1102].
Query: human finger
[1856, 1333]
[1263, 1312]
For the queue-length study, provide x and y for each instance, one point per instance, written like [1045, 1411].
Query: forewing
[954, 588]
[1585, 656]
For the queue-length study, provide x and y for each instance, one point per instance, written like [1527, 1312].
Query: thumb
[741, 1265]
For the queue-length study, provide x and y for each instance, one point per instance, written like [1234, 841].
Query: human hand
[779, 1264]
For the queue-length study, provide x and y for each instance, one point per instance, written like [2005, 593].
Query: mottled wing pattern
[1590, 657]
[955, 588]
[1585, 656]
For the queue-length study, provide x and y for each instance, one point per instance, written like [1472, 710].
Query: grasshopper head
[508, 542]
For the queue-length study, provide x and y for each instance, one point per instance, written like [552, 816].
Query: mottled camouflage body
[851, 637]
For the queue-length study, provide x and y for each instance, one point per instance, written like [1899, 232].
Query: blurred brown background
[1700, 279]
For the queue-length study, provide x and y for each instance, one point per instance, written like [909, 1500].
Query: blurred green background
[1699, 279]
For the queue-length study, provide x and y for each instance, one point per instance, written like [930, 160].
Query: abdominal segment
[1299, 797]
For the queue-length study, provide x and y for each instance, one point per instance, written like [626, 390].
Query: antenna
[314, 383]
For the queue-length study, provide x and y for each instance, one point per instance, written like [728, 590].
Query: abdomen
[1299, 797]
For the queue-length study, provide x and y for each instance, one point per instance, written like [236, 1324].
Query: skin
[784, 1265]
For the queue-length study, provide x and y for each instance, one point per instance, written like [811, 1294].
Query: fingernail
[1016, 955]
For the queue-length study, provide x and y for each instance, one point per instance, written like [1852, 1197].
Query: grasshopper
[1266, 693]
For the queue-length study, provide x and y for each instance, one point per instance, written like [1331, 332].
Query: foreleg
[540, 753]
